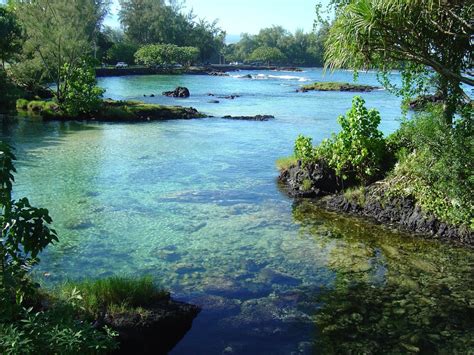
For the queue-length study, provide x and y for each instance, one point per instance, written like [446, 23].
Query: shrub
[436, 165]
[22, 104]
[56, 331]
[303, 150]
[36, 106]
[82, 96]
[359, 148]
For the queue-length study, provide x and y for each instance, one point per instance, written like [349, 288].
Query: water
[196, 205]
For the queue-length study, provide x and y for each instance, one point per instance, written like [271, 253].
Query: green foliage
[10, 35]
[366, 33]
[358, 149]
[104, 295]
[267, 55]
[9, 91]
[58, 35]
[436, 166]
[166, 55]
[303, 150]
[150, 22]
[306, 185]
[22, 104]
[356, 194]
[299, 48]
[56, 331]
[121, 52]
[336, 86]
[81, 94]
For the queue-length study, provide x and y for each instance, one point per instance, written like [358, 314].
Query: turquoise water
[196, 205]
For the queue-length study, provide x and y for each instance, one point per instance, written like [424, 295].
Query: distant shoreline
[194, 70]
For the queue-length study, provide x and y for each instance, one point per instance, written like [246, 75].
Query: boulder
[155, 331]
[180, 91]
[322, 178]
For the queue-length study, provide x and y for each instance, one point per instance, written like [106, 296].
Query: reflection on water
[195, 204]
[391, 294]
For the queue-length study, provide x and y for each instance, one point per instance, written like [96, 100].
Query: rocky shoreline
[372, 202]
[111, 111]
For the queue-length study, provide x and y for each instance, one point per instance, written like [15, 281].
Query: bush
[56, 331]
[303, 150]
[358, 150]
[35, 106]
[436, 165]
[82, 96]
[22, 104]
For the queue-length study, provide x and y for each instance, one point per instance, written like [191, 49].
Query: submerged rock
[401, 211]
[180, 91]
[272, 276]
[249, 118]
[156, 330]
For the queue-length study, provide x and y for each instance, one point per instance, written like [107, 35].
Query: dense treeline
[278, 46]
[146, 22]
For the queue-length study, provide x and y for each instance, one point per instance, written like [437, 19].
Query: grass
[306, 185]
[114, 294]
[356, 194]
[337, 86]
[286, 162]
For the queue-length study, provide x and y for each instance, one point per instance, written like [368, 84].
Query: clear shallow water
[196, 204]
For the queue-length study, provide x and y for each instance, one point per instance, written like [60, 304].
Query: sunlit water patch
[196, 205]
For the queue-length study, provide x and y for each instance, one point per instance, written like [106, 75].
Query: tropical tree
[59, 34]
[415, 36]
[267, 55]
[166, 55]
[10, 35]
[165, 22]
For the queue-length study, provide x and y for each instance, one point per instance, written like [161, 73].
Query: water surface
[196, 205]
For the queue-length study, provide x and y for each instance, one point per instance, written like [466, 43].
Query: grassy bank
[67, 319]
[111, 111]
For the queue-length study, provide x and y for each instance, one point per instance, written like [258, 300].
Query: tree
[267, 55]
[59, 33]
[166, 55]
[83, 96]
[10, 35]
[300, 48]
[165, 22]
[406, 34]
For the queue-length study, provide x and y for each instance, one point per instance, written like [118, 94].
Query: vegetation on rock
[336, 86]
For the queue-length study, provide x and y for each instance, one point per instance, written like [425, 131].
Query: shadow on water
[392, 293]
[26, 133]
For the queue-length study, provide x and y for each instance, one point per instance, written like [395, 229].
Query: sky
[248, 16]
